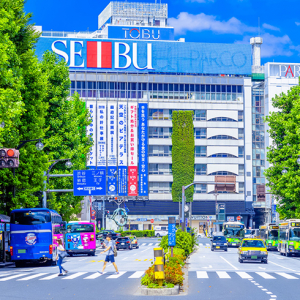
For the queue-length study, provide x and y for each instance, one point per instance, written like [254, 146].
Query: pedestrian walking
[61, 253]
[110, 256]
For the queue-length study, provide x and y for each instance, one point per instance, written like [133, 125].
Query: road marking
[202, 274]
[223, 275]
[145, 249]
[115, 275]
[265, 275]
[75, 275]
[83, 259]
[33, 276]
[94, 276]
[282, 266]
[156, 244]
[137, 259]
[264, 290]
[260, 286]
[244, 275]
[101, 260]
[137, 274]
[12, 277]
[207, 244]
[229, 263]
[270, 293]
[49, 277]
[150, 244]
[92, 261]
[288, 276]
[124, 258]
[143, 244]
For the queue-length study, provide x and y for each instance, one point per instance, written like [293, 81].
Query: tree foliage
[283, 153]
[183, 154]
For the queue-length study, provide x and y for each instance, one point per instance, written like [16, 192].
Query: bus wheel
[19, 264]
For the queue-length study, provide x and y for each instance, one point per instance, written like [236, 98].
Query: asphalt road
[212, 275]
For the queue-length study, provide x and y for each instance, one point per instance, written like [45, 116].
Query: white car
[160, 231]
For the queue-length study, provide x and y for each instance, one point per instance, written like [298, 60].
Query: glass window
[176, 87]
[213, 88]
[200, 115]
[30, 217]
[200, 169]
[234, 88]
[240, 115]
[171, 87]
[200, 189]
[202, 88]
[187, 89]
[228, 88]
[241, 170]
[241, 133]
[200, 133]
[241, 151]
[218, 88]
[192, 88]
[197, 87]
[239, 87]
[223, 88]
[221, 137]
[207, 88]
[241, 187]
[72, 84]
[200, 151]
[160, 87]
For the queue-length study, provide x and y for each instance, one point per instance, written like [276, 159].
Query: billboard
[140, 33]
[91, 131]
[143, 149]
[122, 148]
[101, 135]
[149, 56]
[112, 148]
[132, 151]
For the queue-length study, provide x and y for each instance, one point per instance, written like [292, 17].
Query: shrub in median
[137, 233]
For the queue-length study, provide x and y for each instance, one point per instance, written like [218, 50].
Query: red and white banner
[99, 55]
[132, 151]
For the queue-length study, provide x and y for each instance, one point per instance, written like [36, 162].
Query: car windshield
[80, 228]
[253, 244]
[295, 234]
[219, 239]
[248, 231]
[30, 217]
[234, 232]
[273, 235]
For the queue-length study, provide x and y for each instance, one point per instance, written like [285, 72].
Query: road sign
[89, 182]
[152, 221]
[238, 218]
[93, 213]
[93, 218]
[171, 231]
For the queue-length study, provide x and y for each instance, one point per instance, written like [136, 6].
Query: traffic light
[9, 158]
[107, 212]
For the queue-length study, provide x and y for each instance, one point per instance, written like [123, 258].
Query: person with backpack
[111, 253]
[61, 254]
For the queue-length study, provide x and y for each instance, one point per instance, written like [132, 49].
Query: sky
[205, 21]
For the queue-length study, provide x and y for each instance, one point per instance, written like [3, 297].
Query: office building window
[200, 189]
[160, 169]
[160, 132]
[241, 151]
[241, 170]
[156, 150]
[200, 115]
[160, 187]
[200, 151]
[200, 169]
[241, 187]
[221, 137]
[200, 133]
[222, 155]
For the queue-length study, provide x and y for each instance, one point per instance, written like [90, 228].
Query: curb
[160, 292]
[3, 265]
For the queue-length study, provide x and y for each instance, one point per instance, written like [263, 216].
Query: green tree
[66, 137]
[283, 153]
[22, 106]
[183, 154]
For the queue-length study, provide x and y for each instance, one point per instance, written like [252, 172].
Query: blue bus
[34, 232]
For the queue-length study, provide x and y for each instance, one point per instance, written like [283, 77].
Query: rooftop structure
[134, 13]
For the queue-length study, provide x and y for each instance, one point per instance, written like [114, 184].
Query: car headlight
[214, 244]
[291, 247]
[225, 244]
[264, 252]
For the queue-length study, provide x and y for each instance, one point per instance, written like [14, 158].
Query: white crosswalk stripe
[12, 277]
[150, 244]
[115, 275]
[33, 276]
[202, 274]
[207, 244]
[244, 275]
[156, 244]
[137, 274]
[50, 277]
[223, 275]
[287, 276]
[265, 275]
[74, 275]
[94, 276]
[143, 244]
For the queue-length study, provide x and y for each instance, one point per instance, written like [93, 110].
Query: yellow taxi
[134, 241]
[253, 250]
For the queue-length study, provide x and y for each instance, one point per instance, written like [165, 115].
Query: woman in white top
[61, 253]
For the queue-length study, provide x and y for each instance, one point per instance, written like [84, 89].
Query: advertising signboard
[91, 132]
[101, 135]
[122, 148]
[143, 149]
[132, 151]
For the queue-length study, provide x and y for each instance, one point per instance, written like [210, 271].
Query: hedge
[137, 233]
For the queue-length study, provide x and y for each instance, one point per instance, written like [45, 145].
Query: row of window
[163, 87]
[200, 151]
[166, 188]
[199, 115]
[200, 169]
[199, 133]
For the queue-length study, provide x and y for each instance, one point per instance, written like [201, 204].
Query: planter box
[160, 292]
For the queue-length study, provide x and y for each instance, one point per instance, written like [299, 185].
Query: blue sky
[213, 21]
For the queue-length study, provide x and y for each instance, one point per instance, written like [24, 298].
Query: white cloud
[297, 23]
[271, 27]
[273, 45]
[189, 22]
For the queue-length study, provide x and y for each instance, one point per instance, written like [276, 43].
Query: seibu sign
[102, 54]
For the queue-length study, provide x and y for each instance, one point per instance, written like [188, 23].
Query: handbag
[63, 254]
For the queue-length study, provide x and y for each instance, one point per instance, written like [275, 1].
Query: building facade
[132, 75]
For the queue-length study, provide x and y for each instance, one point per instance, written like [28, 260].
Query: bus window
[295, 234]
[273, 235]
[30, 217]
[282, 235]
[80, 228]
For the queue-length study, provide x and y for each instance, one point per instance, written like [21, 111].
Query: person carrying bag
[61, 254]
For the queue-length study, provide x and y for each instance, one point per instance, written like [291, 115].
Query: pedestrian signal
[9, 158]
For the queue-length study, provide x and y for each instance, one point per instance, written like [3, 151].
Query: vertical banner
[122, 148]
[132, 151]
[91, 132]
[112, 148]
[101, 136]
[143, 149]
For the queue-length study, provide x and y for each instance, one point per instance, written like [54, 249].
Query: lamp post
[68, 164]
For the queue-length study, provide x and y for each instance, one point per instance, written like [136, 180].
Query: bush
[137, 233]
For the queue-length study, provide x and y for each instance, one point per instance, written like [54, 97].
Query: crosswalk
[204, 244]
[149, 244]
[245, 275]
[70, 276]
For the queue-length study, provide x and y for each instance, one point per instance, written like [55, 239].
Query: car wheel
[225, 250]
[71, 254]
[19, 264]
[212, 249]
[240, 260]
[266, 261]
[137, 247]
[130, 248]
[158, 235]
